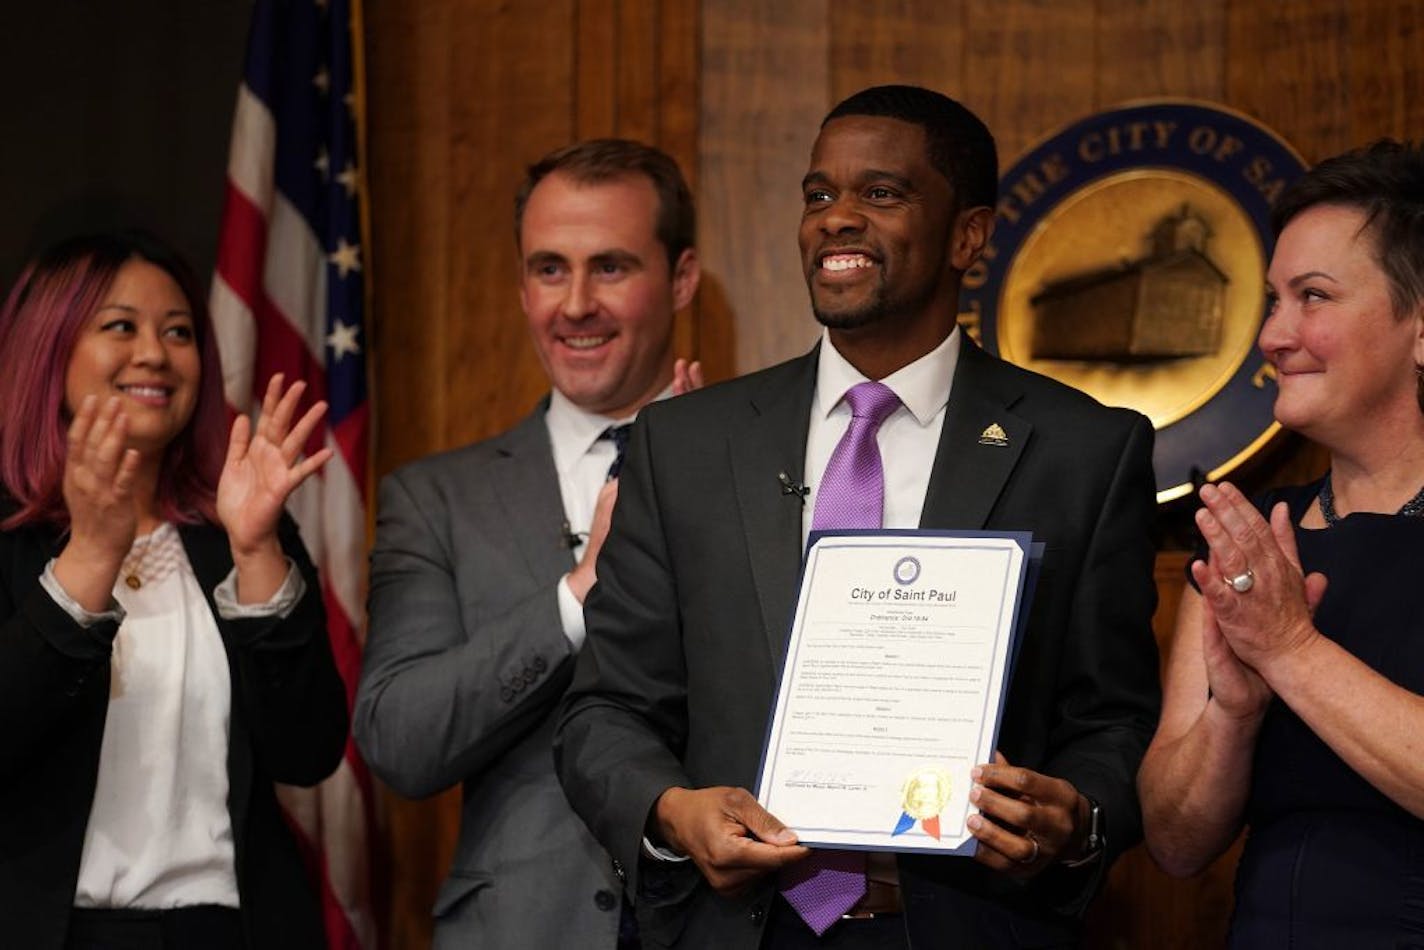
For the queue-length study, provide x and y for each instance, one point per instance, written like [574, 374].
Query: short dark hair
[597, 161]
[1384, 180]
[959, 143]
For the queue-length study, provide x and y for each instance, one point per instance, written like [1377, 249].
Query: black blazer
[288, 724]
[697, 586]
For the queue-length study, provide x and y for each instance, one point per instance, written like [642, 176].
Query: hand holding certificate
[894, 681]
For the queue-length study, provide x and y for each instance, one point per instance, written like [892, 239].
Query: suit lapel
[770, 442]
[528, 489]
[209, 555]
[979, 446]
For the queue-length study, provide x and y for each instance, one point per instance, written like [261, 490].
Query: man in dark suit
[483, 555]
[661, 732]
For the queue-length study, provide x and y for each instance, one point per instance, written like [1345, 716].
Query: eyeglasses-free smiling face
[598, 291]
[877, 226]
[1342, 356]
[141, 346]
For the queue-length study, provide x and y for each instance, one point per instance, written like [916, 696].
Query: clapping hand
[264, 466]
[1272, 610]
[686, 376]
[99, 475]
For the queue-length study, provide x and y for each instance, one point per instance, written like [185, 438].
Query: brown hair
[603, 160]
[1386, 182]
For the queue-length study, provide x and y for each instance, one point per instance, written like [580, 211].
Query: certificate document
[894, 680]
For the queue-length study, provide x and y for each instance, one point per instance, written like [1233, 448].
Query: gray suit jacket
[465, 661]
[697, 584]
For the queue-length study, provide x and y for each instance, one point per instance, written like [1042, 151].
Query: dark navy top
[1330, 861]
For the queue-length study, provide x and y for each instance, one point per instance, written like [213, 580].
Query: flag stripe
[254, 139]
[288, 296]
[243, 245]
[236, 334]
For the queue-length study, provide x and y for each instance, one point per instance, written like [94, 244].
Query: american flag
[288, 296]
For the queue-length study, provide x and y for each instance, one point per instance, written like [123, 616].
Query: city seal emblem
[1128, 260]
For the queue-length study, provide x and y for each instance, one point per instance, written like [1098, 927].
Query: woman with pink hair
[163, 657]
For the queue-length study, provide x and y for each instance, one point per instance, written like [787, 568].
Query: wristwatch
[1096, 840]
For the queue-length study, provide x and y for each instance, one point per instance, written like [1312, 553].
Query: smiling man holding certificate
[896, 420]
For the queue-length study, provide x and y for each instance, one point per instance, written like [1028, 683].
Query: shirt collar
[923, 386]
[573, 431]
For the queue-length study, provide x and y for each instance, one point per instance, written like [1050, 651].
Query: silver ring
[1242, 582]
[1036, 849]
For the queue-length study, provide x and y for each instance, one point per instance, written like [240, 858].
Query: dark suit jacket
[697, 585]
[288, 724]
[465, 661]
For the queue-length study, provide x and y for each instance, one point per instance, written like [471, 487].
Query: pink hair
[39, 325]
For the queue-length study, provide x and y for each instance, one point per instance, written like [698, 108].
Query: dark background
[116, 114]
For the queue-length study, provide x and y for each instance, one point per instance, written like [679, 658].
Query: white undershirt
[581, 460]
[159, 833]
[908, 438]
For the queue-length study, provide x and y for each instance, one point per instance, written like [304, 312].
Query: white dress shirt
[159, 833]
[908, 438]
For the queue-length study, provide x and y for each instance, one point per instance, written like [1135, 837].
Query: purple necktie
[851, 495]
[852, 490]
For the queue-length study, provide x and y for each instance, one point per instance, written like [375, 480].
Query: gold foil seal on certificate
[923, 796]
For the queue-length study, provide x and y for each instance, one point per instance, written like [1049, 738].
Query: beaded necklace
[1412, 508]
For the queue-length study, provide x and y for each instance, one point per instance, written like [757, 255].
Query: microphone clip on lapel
[788, 487]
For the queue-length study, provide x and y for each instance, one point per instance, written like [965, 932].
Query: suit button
[529, 677]
[539, 664]
[758, 911]
[604, 900]
[506, 694]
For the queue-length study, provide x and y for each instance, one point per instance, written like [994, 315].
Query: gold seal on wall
[1129, 261]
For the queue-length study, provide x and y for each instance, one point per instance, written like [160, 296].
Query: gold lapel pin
[994, 435]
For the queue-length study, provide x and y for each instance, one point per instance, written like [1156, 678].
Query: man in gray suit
[483, 555]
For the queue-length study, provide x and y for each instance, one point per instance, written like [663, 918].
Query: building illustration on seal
[1166, 305]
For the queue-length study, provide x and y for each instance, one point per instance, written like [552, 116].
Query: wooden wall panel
[411, 293]
[1386, 75]
[637, 90]
[1028, 68]
[706, 332]
[596, 69]
[1286, 65]
[1148, 48]
[920, 42]
[764, 87]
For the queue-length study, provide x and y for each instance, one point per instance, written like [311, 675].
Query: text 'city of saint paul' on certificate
[893, 684]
